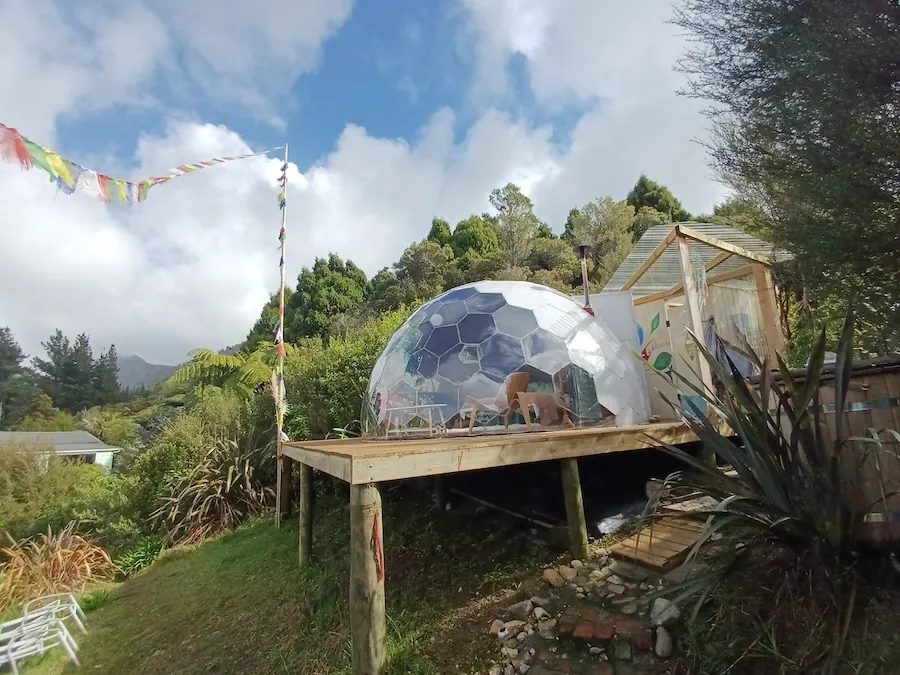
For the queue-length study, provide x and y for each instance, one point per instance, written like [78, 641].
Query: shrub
[792, 505]
[142, 555]
[37, 493]
[326, 384]
[51, 563]
[210, 415]
[227, 486]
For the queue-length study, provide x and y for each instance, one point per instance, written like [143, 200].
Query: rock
[554, 578]
[630, 570]
[595, 651]
[529, 628]
[546, 624]
[509, 670]
[521, 637]
[664, 645]
[664, 612]
[623, 651]
[540, 613]
[496, 625]
[683, 572]
[629, 608]
[596, 575]
[593, 566]
[509, 652]
[520, 610]
[579, 589]
[495, 670]
[513, 627]
[577, 564]
[580, 596]
[567, 573]
[538, 601]
[614, 578]
[616, 589]
[524, 667]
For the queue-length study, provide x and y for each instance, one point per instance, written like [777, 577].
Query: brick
[584, 630]
[567, 623]
[604, 628]
[589, 615]
[627, 626]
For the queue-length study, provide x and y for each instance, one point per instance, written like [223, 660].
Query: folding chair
[34, 635]
[61, 605]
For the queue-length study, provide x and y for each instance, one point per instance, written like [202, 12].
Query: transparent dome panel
[502, 357]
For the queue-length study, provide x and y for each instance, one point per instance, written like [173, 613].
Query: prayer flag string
[71, 177]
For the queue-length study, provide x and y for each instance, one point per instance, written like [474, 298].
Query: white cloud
[193, 264]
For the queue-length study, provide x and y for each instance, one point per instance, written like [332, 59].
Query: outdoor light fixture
[583, 250]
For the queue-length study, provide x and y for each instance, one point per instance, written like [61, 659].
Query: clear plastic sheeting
[502, 356]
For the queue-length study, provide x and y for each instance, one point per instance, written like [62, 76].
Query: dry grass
[51, 563]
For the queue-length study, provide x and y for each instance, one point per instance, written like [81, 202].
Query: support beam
[440, 493]
[571, 480]
[695, 318]
[765, 290]
[678, 288]
[715, 242]
[367, 617]
[305, 512]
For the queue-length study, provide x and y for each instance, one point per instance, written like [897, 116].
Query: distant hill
[135, 372]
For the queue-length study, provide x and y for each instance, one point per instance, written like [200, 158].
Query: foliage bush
[326, 383]
[142, 555]
[36, 494]
[51, 563]
[793, 505]
[231, 483]
[210, 415]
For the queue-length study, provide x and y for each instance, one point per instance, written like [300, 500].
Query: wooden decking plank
[659, 544]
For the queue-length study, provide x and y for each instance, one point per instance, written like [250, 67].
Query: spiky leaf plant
[63, 561]
[230, 484]
[789, 490]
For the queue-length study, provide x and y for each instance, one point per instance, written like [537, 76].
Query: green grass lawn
[241, 604]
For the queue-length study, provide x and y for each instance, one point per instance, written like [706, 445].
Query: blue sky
[396, 112]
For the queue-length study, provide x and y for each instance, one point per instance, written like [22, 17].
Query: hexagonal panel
[452, 367]
[515, 321]
[449, 313]
[460, 293]
[485, 302]
[421, 333]
[442, 340]
[476, 328]
[481, 386]
[423, 363]
[545, 351]
[501, 355]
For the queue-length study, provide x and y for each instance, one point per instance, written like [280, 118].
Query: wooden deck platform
[361, 461]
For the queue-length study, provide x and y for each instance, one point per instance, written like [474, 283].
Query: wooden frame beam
[305, 512]
[691, 233]
[678, 289]
[577, 525]
[654, 255]
[358, 461]
[765, 290]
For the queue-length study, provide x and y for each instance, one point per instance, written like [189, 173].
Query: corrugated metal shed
[666, 271]
[64, 442]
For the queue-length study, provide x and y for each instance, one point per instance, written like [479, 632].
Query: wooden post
[305, 512]
[692, 298]
[440, 493]
[571, 480]
[367, 618]
[285, 486]
[765, 289]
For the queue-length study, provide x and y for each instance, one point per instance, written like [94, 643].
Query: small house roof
[64, 442]
[665, 271]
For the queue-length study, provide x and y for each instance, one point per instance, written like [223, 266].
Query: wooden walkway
[663, 544]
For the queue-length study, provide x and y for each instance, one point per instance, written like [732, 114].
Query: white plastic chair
[61, 605]
[33, 635]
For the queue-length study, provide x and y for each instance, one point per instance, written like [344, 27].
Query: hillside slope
[135, 372]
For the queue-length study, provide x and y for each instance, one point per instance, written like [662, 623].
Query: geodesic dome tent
[496, 356]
